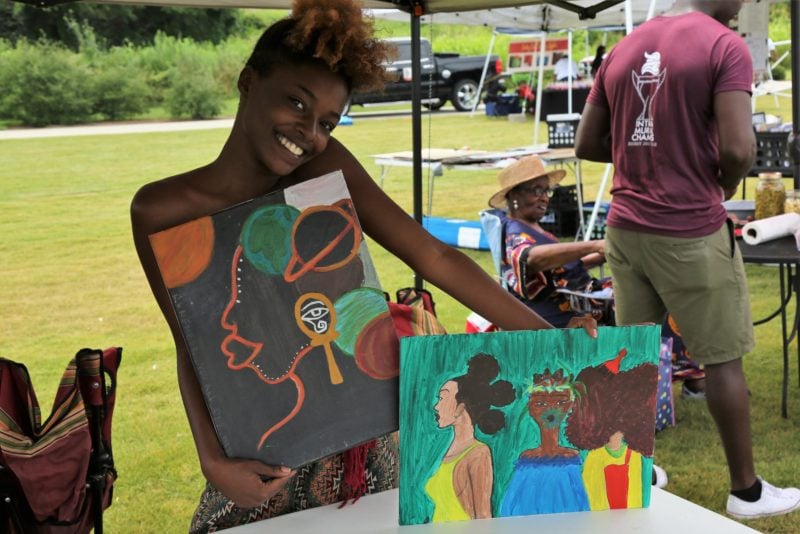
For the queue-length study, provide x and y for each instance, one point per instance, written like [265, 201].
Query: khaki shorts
[699, 280]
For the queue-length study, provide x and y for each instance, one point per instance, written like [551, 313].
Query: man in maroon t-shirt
[670, 107]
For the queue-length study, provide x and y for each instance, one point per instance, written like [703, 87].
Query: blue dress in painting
[545, 485]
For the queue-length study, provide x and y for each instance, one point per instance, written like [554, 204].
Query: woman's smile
[290, 146]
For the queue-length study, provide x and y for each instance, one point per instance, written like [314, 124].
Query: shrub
[118, 88]
[778, 73]
[229, 60]
[43, 84]
[193, 90]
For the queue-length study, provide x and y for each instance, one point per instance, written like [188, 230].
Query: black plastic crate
[562, 218]
[561, 223]
[565, 196]
[599, 229]
[772, 154]
[561, 129]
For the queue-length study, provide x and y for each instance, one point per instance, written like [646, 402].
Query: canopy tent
[538, 16]
[538, 20]
[515, 13]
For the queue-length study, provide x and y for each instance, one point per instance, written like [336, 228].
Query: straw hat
[522, 170]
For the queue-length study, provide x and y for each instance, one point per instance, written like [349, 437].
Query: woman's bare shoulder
[335, 157]
[172, 201]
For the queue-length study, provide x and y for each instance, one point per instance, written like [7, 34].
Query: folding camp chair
[57, 477]
[492, 223]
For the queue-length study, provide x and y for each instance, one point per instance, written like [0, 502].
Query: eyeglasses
[530, 189]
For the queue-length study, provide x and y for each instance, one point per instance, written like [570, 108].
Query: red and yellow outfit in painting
[613, 479]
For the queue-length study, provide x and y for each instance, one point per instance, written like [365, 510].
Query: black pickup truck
[445, 76]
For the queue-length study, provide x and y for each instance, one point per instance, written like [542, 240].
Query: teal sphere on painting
[354, 310]
[267, 237]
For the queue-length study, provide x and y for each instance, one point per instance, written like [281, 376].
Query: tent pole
[628, 17]
[586, 42]
[587, 232]
[571, 74]
[651, 10]
[416, 123]
[483, 74]
[794, 145]
[539, 83]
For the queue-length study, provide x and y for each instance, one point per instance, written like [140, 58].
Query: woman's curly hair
[480, 392]
[334, 33]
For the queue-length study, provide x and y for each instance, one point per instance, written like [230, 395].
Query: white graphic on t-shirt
[647, 85]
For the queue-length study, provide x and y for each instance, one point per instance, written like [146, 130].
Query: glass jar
[770, 195]
[792, 203]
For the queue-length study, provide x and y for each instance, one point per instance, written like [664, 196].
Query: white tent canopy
[525, 14]
[537, 16]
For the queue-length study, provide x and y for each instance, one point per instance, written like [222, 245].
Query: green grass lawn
[69, 278]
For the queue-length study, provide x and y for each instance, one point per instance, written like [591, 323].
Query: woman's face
[531, 199]
[447, 408]
[550, 408]
[289, 114]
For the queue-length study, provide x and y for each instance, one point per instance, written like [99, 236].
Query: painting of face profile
[523, 423]
[286, 324]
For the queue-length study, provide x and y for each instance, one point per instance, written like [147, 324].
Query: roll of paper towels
[771, 228]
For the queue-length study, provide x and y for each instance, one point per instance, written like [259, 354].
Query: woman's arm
[481, 477]
[546, 257]
[248, 483]
[441, 265]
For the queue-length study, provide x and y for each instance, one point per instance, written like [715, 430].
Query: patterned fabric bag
[665, 403]
[57, 476]
[414, 313]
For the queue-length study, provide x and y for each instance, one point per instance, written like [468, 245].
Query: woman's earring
[514, 204]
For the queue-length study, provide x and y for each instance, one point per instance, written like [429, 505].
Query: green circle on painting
[354, 310]
[267, 237]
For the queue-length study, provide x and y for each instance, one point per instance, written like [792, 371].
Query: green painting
[522, 423]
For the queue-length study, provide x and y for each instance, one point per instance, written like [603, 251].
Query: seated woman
[535, 264]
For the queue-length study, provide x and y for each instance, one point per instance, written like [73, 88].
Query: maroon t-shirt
[659, 84]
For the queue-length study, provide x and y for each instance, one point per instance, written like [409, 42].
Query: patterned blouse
[537, 289]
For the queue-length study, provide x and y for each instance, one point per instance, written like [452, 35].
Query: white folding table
[377, 514]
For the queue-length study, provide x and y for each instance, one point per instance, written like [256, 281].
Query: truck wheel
[434, 105]
[465, 92]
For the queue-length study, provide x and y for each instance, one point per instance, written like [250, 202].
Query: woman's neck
[464, 437]
[244, 177]
[550, 441]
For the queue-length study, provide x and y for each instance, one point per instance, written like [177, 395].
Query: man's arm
[593, 139]
[737, 142]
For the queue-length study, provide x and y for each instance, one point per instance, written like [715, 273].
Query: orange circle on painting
[348, 231]
[377, 349]
[184, 252]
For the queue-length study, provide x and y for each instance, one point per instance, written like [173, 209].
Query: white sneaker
[773, 501]
[659, 477]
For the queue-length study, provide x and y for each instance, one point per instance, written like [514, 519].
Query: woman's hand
[587, 322]
[248, 483]
[597, 256]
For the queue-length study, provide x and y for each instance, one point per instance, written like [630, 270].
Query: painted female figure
[461, 487]
[547, 479]
[617, 468]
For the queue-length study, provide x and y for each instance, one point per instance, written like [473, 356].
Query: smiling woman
[292, 92]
